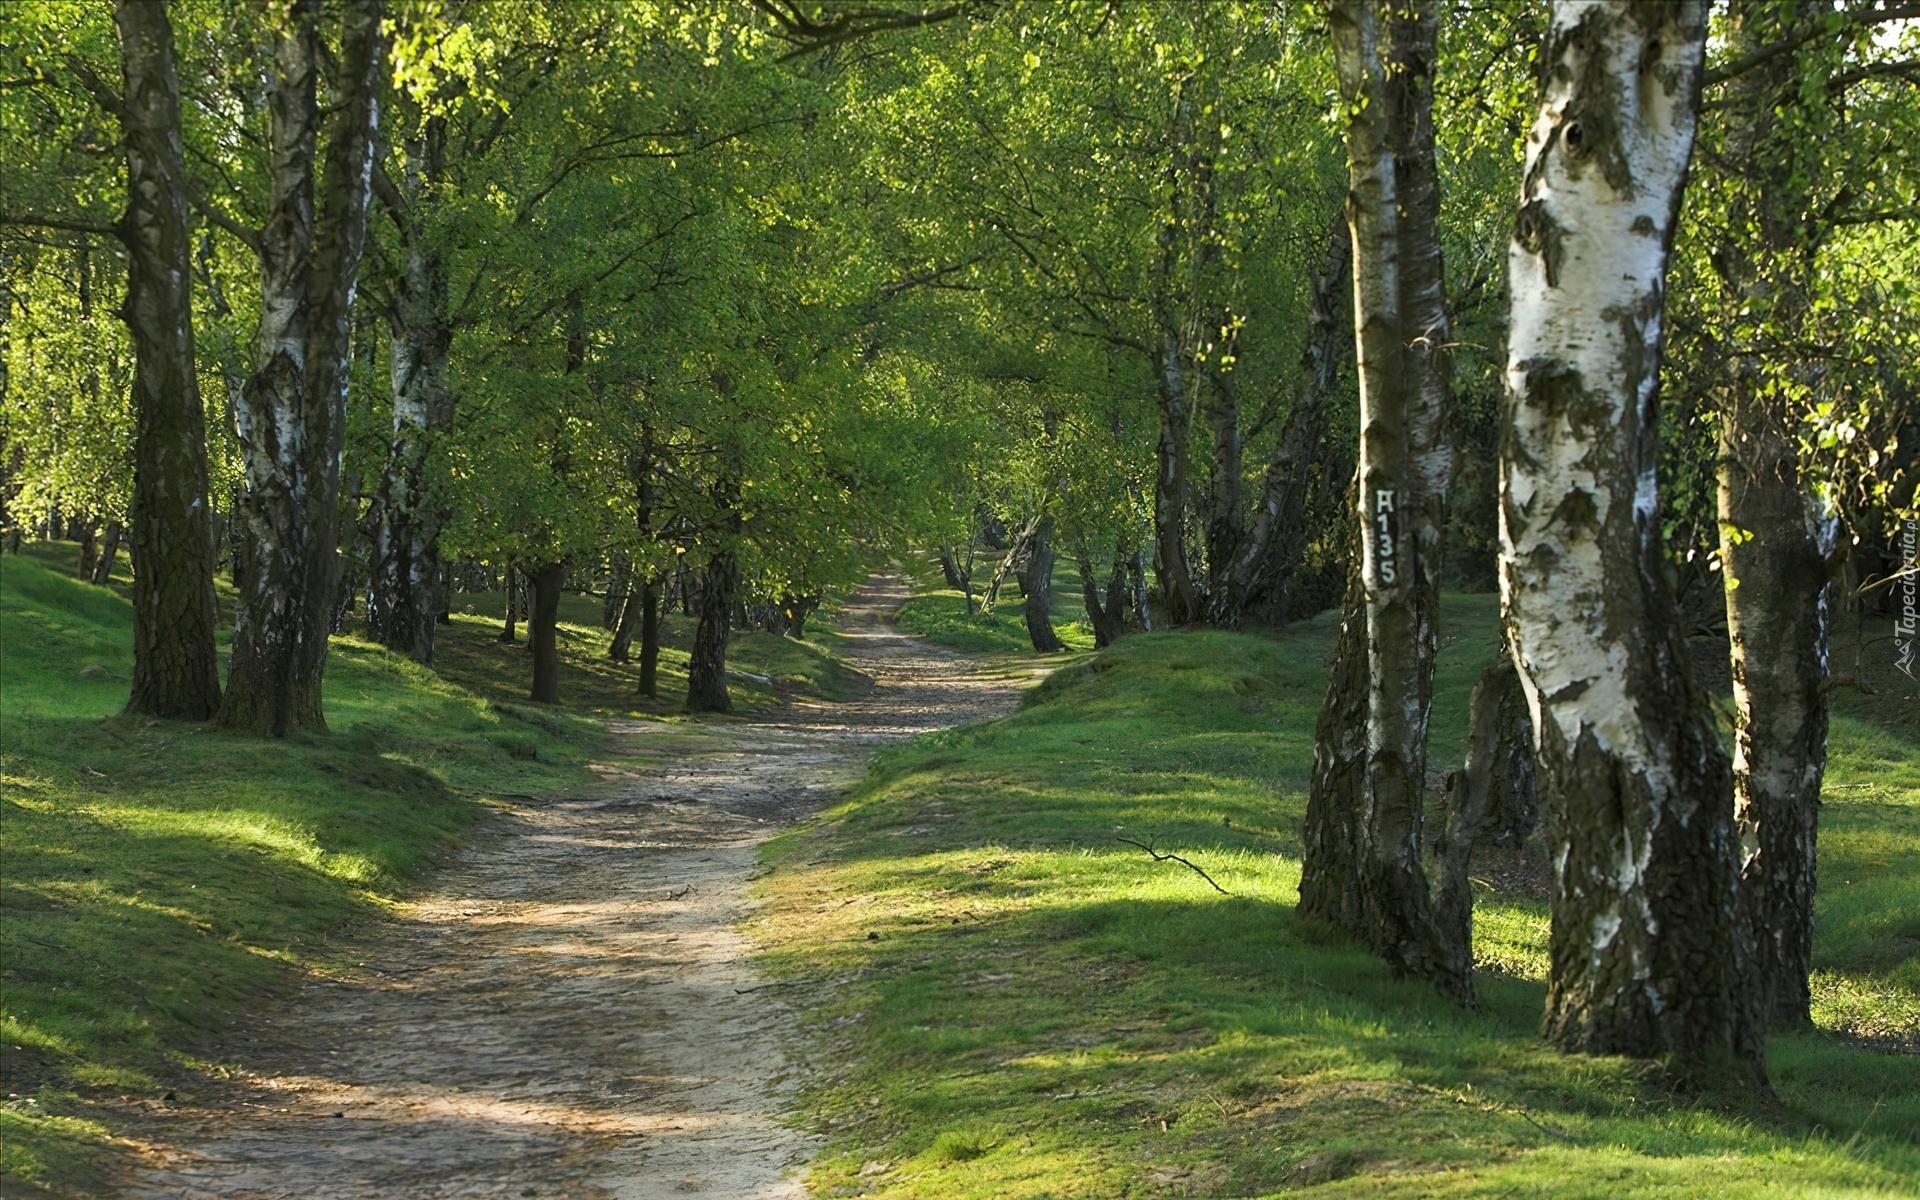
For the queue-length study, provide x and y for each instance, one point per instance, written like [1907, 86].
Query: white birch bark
[1638, 791]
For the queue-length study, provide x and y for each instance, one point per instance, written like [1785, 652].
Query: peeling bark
[1385, 54]
[1647, 954]
[175, 662]
[291, 414]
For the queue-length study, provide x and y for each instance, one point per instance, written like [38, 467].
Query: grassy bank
[161, 876]
[1010, 1003]
[940, 614]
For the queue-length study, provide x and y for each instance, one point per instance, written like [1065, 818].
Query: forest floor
[571, 1010]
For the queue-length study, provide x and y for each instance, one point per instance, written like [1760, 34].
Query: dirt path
[566, 1015]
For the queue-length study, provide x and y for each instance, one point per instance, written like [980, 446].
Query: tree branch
[1873, 16]
[94, 227]
[1159, 857]
[850, 24]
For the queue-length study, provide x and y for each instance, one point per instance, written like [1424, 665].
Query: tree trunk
[89, 540]
[1170, 488]
[951, 570]
[1385, 54]
[1278, 540]
[1226, 521]
[404, 591]
[292, 412]
[1646, 954]
[109, 549]
[175, 663]
[621, 647]
[1329, 876]
[1775, 537]
[707, 665]
[1040, 591]
[619, 587]
[650, 638]
[1109, 616]
[1773, 547]
[1501, 775]
[511, 585]
[1492, 796]
[542, 630]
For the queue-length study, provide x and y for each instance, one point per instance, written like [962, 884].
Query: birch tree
[291, 411]
[1646, 954]
[1366, 871]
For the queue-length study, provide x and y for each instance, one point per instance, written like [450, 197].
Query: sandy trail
[566, 1013]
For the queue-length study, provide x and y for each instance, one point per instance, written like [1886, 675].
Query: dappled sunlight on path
[573, 1011]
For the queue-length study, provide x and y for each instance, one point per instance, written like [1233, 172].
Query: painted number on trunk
[1383, 536]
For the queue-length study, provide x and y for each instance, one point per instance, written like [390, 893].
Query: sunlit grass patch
[1009, 1001]
[161, 877]
[940, 614]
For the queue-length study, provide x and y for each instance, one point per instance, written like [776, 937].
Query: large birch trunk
[1645, 956]
[175, 662]
[403, 595]
[291, 415]
[1385, 55]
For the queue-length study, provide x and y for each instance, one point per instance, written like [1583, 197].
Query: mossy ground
[1011, 1003]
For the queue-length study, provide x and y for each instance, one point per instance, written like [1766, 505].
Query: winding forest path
[567, 1013]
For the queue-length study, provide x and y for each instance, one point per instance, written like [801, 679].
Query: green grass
[939, 614]
[1010, 1003]
[161, 877]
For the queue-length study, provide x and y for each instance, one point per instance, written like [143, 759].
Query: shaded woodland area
[1247, 310]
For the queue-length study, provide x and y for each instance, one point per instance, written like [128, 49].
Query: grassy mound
[1010, 1002]
[939, 614]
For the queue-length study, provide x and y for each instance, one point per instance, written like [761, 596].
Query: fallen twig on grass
[1159, 857]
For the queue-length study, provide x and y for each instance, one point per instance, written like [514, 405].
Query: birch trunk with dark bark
[1278, 539]
[1039, 580]
[1329, 875]
[291, 414]
[1385, 54]
[543, 622]
[707, 664]
[403, 595]
[175, 662]
[1775, 537]
[1647, 955]
[109, 550]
